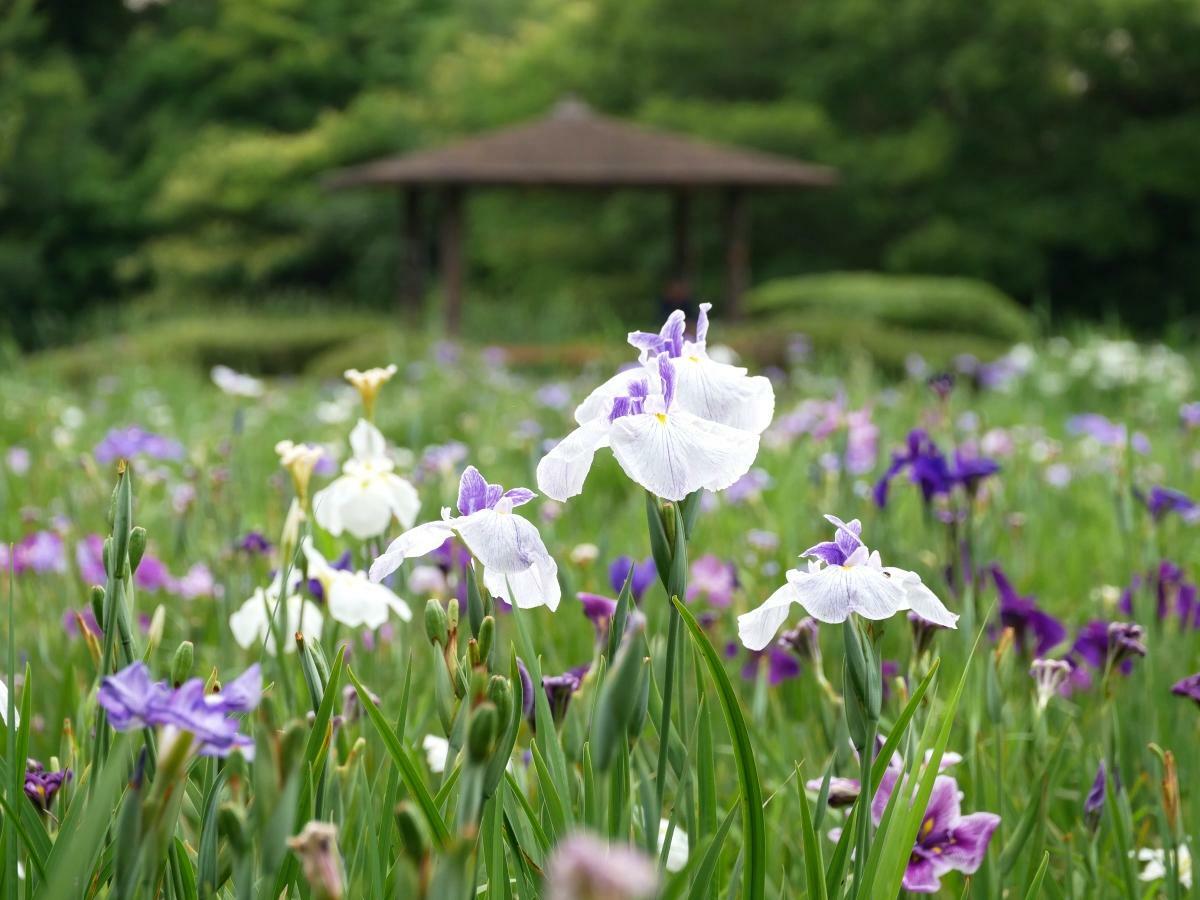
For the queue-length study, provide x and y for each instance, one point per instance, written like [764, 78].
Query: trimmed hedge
[916, 302]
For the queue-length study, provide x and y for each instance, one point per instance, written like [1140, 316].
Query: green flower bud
[501, 694]
[487, 637]
[436, 626]
[481, 733]
[231, 825]
[181, 663]
[107, 555]
[414, 833]
[137, 547]
[97, 597]
[479, 683]
[452, 617]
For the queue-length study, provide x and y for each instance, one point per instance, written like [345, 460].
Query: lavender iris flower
[947, 841]
[1189, 415]
[714, 578]
[644, 573]
[1162, 501]
[41, 553]
[126, 443]
[1188, 687]
[133, 701]
[1106, 432]
[89, 557]
[1022, 615]
[41, 786]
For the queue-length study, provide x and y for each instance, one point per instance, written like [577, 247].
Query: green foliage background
[173, 154]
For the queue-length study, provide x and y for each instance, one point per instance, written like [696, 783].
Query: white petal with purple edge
[536, 586]
[921, 599]
[832, 593]
[413, 543]
[597, 404]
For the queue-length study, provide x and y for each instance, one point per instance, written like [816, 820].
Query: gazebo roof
[575, 147]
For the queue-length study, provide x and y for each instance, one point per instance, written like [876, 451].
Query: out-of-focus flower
[677, 850]
[843, 577]
[781, 662]
[41, 786]
[369, 494]
[299, 460]
[351, 597]
[749, 487]
[369, 383]
[251, 622]
[1049, 675]
[1026, 620]
[442, 459]
[1189, 415]
[236, 384]
[927, 468]
[584, 554]
[437, 750]
[127, 443]
[316, 847]
[427, 581]
[712, 578]
[254, 543]
[507, 546]
[1093, 803]
[198, 581]
[599, 610]
[583, 867]
[559, 690]
[41, 552]
[555, 395]
[1105, 645]
[153, 575]
[644, 573]
[842, 791]
[1172, 591]
[1188, 687]
[18, 460]
[1058, 475]
[133, 701]
[1106, 432]
[1154, 864]
[947, 841]
[1161, 501]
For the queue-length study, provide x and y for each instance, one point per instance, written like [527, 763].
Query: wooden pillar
[737, 251]
[452, 259]
[411, 282]
[683, 261]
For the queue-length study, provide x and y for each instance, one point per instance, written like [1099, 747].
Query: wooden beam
[411, 281]
[737, 251]
[452, 258]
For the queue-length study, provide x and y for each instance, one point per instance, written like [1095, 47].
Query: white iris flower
[507, 546]
[843, 577]
[251, 623]
[351, 597]
[368, 494]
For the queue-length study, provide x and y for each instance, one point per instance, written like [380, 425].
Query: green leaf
[814, 863]
[409, 773]
[206, 853]
[703, 880]
[754, 828]
[1035, 886]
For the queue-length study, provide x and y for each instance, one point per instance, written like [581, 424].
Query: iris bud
[414, 834]
[137, 547]
[481, 733]
[436, 627]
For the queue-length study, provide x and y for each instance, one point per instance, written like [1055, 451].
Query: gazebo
[575, 148]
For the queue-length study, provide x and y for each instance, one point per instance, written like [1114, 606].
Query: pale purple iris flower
[153, 575]
[947, 841]
[133, 701]
[41, 552]
[749, 487]
[516, 564]
[712, 578]
[89, 557]
[1106, 432]
[644, 574]
[1027, 621]
[1189, 415]
[127, 443]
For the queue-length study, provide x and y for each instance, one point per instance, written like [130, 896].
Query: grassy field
[1063, 518]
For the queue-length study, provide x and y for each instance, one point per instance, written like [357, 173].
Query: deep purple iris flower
[1162, 501]
[644, 573]
[600, 611]
[1022, 615]
[559, 690]
[1172, 593]
[41, 786]
[929, 469]
[947, 841]
[1188, 687]
[780, 660]
[254, 543]
[132, 701]
[1093, 803]
[126, 443]
[1102, 644]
